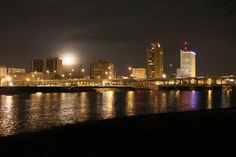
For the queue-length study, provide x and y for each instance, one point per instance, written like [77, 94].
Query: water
[32, 112]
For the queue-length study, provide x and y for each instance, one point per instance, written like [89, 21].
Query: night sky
[119, 31]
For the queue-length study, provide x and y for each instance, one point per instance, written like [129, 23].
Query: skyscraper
[155, 61]
[187, 63]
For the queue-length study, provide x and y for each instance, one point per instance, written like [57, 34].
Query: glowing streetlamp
[130, 69]
[164, 76]
[82, 70]
[9, 78]
[2, 81]
[209, 81]
[47, 74]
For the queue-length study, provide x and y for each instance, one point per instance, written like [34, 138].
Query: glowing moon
[69, 60]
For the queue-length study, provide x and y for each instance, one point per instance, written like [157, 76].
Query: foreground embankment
[198, 133]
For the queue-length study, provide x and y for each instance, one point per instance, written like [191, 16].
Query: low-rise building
[102, 70]
[15, 71]
[3, 71]
[138, 72]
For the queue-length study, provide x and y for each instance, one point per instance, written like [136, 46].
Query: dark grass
[201, 133]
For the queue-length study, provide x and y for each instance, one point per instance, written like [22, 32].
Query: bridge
[222, 82]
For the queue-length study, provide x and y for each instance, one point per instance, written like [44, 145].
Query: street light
[9, 78]
[47, 74]
[83, 70]
[130, 69]
[2, 80]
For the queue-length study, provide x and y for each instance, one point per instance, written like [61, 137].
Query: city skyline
[113, 30]
[154, 50]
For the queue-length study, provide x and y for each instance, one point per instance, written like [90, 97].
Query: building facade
[155, 61]
[102, 70]
[36, 65]
[187, 63]
[3, 71]
[52, 65]
[138, 72]
[15, 71]
[47, 65]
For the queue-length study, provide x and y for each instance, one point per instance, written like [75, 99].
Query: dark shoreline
[195, 133]
[29, 89]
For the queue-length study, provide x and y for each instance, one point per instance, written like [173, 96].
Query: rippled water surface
[31, 112]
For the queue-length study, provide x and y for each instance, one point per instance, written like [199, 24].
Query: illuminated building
[52, 65]
[3, 71]
[178, 72]
[47, 65]
[138, 72]
[155, 61]
[15, 71]
[102, 70]
[36, 65]
[187, 63]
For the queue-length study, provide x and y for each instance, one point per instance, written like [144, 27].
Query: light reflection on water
[30, 112]
[209, 99]
[130, 100]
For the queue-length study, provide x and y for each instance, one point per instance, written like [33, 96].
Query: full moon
[69, 60]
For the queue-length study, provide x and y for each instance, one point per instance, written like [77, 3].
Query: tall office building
[187, 63]
[36, 65]
[47, 65]
[52, 65]
[102, 70]
[155, 61]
